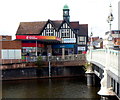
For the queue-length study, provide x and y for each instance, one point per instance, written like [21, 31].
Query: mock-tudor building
[58, 37]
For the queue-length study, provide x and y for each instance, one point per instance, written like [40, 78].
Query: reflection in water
[49, 88]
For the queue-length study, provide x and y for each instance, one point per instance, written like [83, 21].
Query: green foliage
[39, 62]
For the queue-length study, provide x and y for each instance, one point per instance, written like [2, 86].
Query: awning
[40, 38]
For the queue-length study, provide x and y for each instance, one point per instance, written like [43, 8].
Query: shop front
[81, 49]
[34, 46]
[63, 49]
[31, 49]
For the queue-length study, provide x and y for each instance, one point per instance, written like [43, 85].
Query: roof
[75, 24]
[57, 23]
[99, 40]
[31, 27]
[35, 28]
[83, 29]
[65, 7]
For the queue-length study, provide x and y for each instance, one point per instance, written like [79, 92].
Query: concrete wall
[29, 73]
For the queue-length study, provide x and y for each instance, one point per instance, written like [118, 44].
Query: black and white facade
[74, 36]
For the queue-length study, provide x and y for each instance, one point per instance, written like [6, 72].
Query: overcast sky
[91, 12]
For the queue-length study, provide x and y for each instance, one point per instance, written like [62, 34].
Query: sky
[91, 12]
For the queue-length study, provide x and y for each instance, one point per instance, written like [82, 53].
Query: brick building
[10, 50]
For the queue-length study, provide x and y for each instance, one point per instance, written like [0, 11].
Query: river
[49, 88]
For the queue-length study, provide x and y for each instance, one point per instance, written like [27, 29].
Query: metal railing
[46, 58]
[57, 58]
[66, 57]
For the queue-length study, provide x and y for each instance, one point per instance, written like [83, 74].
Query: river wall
[43, 72]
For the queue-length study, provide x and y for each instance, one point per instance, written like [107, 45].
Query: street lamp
[91, 46]
[109, 20]
[105, 90]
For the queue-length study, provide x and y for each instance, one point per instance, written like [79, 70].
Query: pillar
[63, 53]
[104, 98]
[90, 79]
[90, 75]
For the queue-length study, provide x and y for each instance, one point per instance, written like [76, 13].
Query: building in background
[57, 37]
[115, 36]
[97, 42]
[10, 50]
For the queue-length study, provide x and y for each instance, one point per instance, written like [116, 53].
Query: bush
[39, 61]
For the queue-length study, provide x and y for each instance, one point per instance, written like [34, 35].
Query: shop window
[81, 49]
[57, 51]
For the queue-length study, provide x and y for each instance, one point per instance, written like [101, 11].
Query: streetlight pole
[109, 20]
[105, 90]
[91, 46]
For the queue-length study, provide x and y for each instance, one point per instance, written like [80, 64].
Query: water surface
[49, 88]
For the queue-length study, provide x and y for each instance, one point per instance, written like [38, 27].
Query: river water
[50, 88]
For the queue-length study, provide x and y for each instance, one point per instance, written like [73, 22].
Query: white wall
[11, 53]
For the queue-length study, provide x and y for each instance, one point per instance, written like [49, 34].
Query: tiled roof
[37, 27]
[30, 27]
[74, 25]
[57, 23]
[83, 29]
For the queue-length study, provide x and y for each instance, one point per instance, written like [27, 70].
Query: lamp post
[105, 90]
[110, 17]
[109, 20]
[91, 46]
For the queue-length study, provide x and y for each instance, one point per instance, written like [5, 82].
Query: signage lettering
[69, 40]
[31, 37]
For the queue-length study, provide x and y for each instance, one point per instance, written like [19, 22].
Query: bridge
[106, 65]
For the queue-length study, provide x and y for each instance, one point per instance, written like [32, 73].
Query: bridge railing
[97, 55]
[107, 58]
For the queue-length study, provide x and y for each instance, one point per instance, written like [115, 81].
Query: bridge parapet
[108, 58]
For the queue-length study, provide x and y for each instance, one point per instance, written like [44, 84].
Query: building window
[49, 32]
[82, 40]
[65, 33]
[4, 38]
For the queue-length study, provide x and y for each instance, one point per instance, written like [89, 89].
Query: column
[63, 53]
[90, 76]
